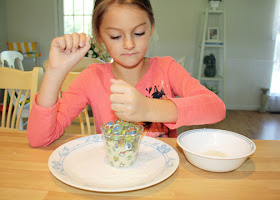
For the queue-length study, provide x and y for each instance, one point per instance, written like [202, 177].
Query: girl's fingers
[59, 43]
[118, 81]
[83, 39]
[69, 43]
[119, 98]
[87, 45]
[88, 42]
[119, 89]
[120, 86]
[72, 42]
[76, 40]
[119, 107]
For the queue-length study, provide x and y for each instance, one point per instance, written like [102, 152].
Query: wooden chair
[83, 118]
[13, 59]
[27, 82]
[83, 64]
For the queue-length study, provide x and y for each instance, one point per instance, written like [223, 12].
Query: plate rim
[153, 182]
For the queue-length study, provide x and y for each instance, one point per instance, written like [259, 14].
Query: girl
[133, 87]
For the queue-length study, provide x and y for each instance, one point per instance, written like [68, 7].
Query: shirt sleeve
[196, 104]
[46, 125]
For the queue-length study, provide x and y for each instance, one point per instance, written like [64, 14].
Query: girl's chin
[128, 63]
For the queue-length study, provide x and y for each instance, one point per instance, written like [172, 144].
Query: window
[275, 82]
[77, 16]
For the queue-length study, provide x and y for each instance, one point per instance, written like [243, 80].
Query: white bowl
[215, 150]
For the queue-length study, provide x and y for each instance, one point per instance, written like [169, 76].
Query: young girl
[132, 88]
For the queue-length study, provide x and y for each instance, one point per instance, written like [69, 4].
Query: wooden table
[24, 174]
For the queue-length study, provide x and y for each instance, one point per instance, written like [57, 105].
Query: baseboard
[274, 112]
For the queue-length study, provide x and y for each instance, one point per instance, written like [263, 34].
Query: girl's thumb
[85, 49]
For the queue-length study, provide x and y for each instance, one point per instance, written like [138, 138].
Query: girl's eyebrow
[113, 28]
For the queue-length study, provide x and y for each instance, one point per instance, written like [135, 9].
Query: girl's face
[125, 31]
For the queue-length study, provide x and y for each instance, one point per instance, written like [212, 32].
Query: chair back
[13, 59]
[24, 82]
[84, 118]
[83, 64]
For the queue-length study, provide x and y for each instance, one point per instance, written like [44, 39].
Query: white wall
[177, 28]
[178, 25]
[3, 25]
[31, 20]
[250, 47]
[250, 51]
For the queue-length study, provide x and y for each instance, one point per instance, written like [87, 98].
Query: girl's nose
[129, 43]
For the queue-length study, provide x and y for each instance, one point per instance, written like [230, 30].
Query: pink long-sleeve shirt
[164, 79]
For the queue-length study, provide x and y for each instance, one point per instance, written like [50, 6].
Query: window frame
[60, 17]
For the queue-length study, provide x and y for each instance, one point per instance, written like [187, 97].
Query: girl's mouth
[128, 54]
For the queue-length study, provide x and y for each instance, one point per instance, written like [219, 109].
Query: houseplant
[213, 89]
[98, 53]
[214, 4]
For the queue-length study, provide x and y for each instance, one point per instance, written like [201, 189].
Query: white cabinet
[213, 42]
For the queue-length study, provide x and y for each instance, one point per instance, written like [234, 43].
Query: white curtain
[276, 23]
[274, 103]
[274, 97]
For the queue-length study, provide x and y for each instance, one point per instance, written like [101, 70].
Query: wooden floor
[252, 124]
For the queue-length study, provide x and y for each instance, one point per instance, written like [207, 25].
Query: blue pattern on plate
[58, 165]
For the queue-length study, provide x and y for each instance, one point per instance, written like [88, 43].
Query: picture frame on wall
[213, 34]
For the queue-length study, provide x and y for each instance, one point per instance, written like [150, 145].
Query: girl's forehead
[116, 6]
[124, 16]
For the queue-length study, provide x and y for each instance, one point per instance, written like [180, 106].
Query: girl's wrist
[50, 87]
[148, 111]
[56, 70]
[160, 110]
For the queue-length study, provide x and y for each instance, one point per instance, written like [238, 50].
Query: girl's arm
[48, 118]
[196, 105]
[65, 53]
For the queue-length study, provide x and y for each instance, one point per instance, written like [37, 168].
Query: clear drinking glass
[121, 146]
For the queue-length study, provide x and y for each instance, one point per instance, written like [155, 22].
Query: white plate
[82, 163]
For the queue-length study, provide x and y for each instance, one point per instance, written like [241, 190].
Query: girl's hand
[67, 51]
[127, 102]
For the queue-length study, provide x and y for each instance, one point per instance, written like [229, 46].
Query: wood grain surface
[24, 174]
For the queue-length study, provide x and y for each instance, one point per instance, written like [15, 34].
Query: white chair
[13, 59]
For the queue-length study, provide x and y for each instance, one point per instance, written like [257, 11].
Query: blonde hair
[101, 7]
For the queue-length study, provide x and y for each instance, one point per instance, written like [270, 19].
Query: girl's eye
[115, 38]
[139, 34]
